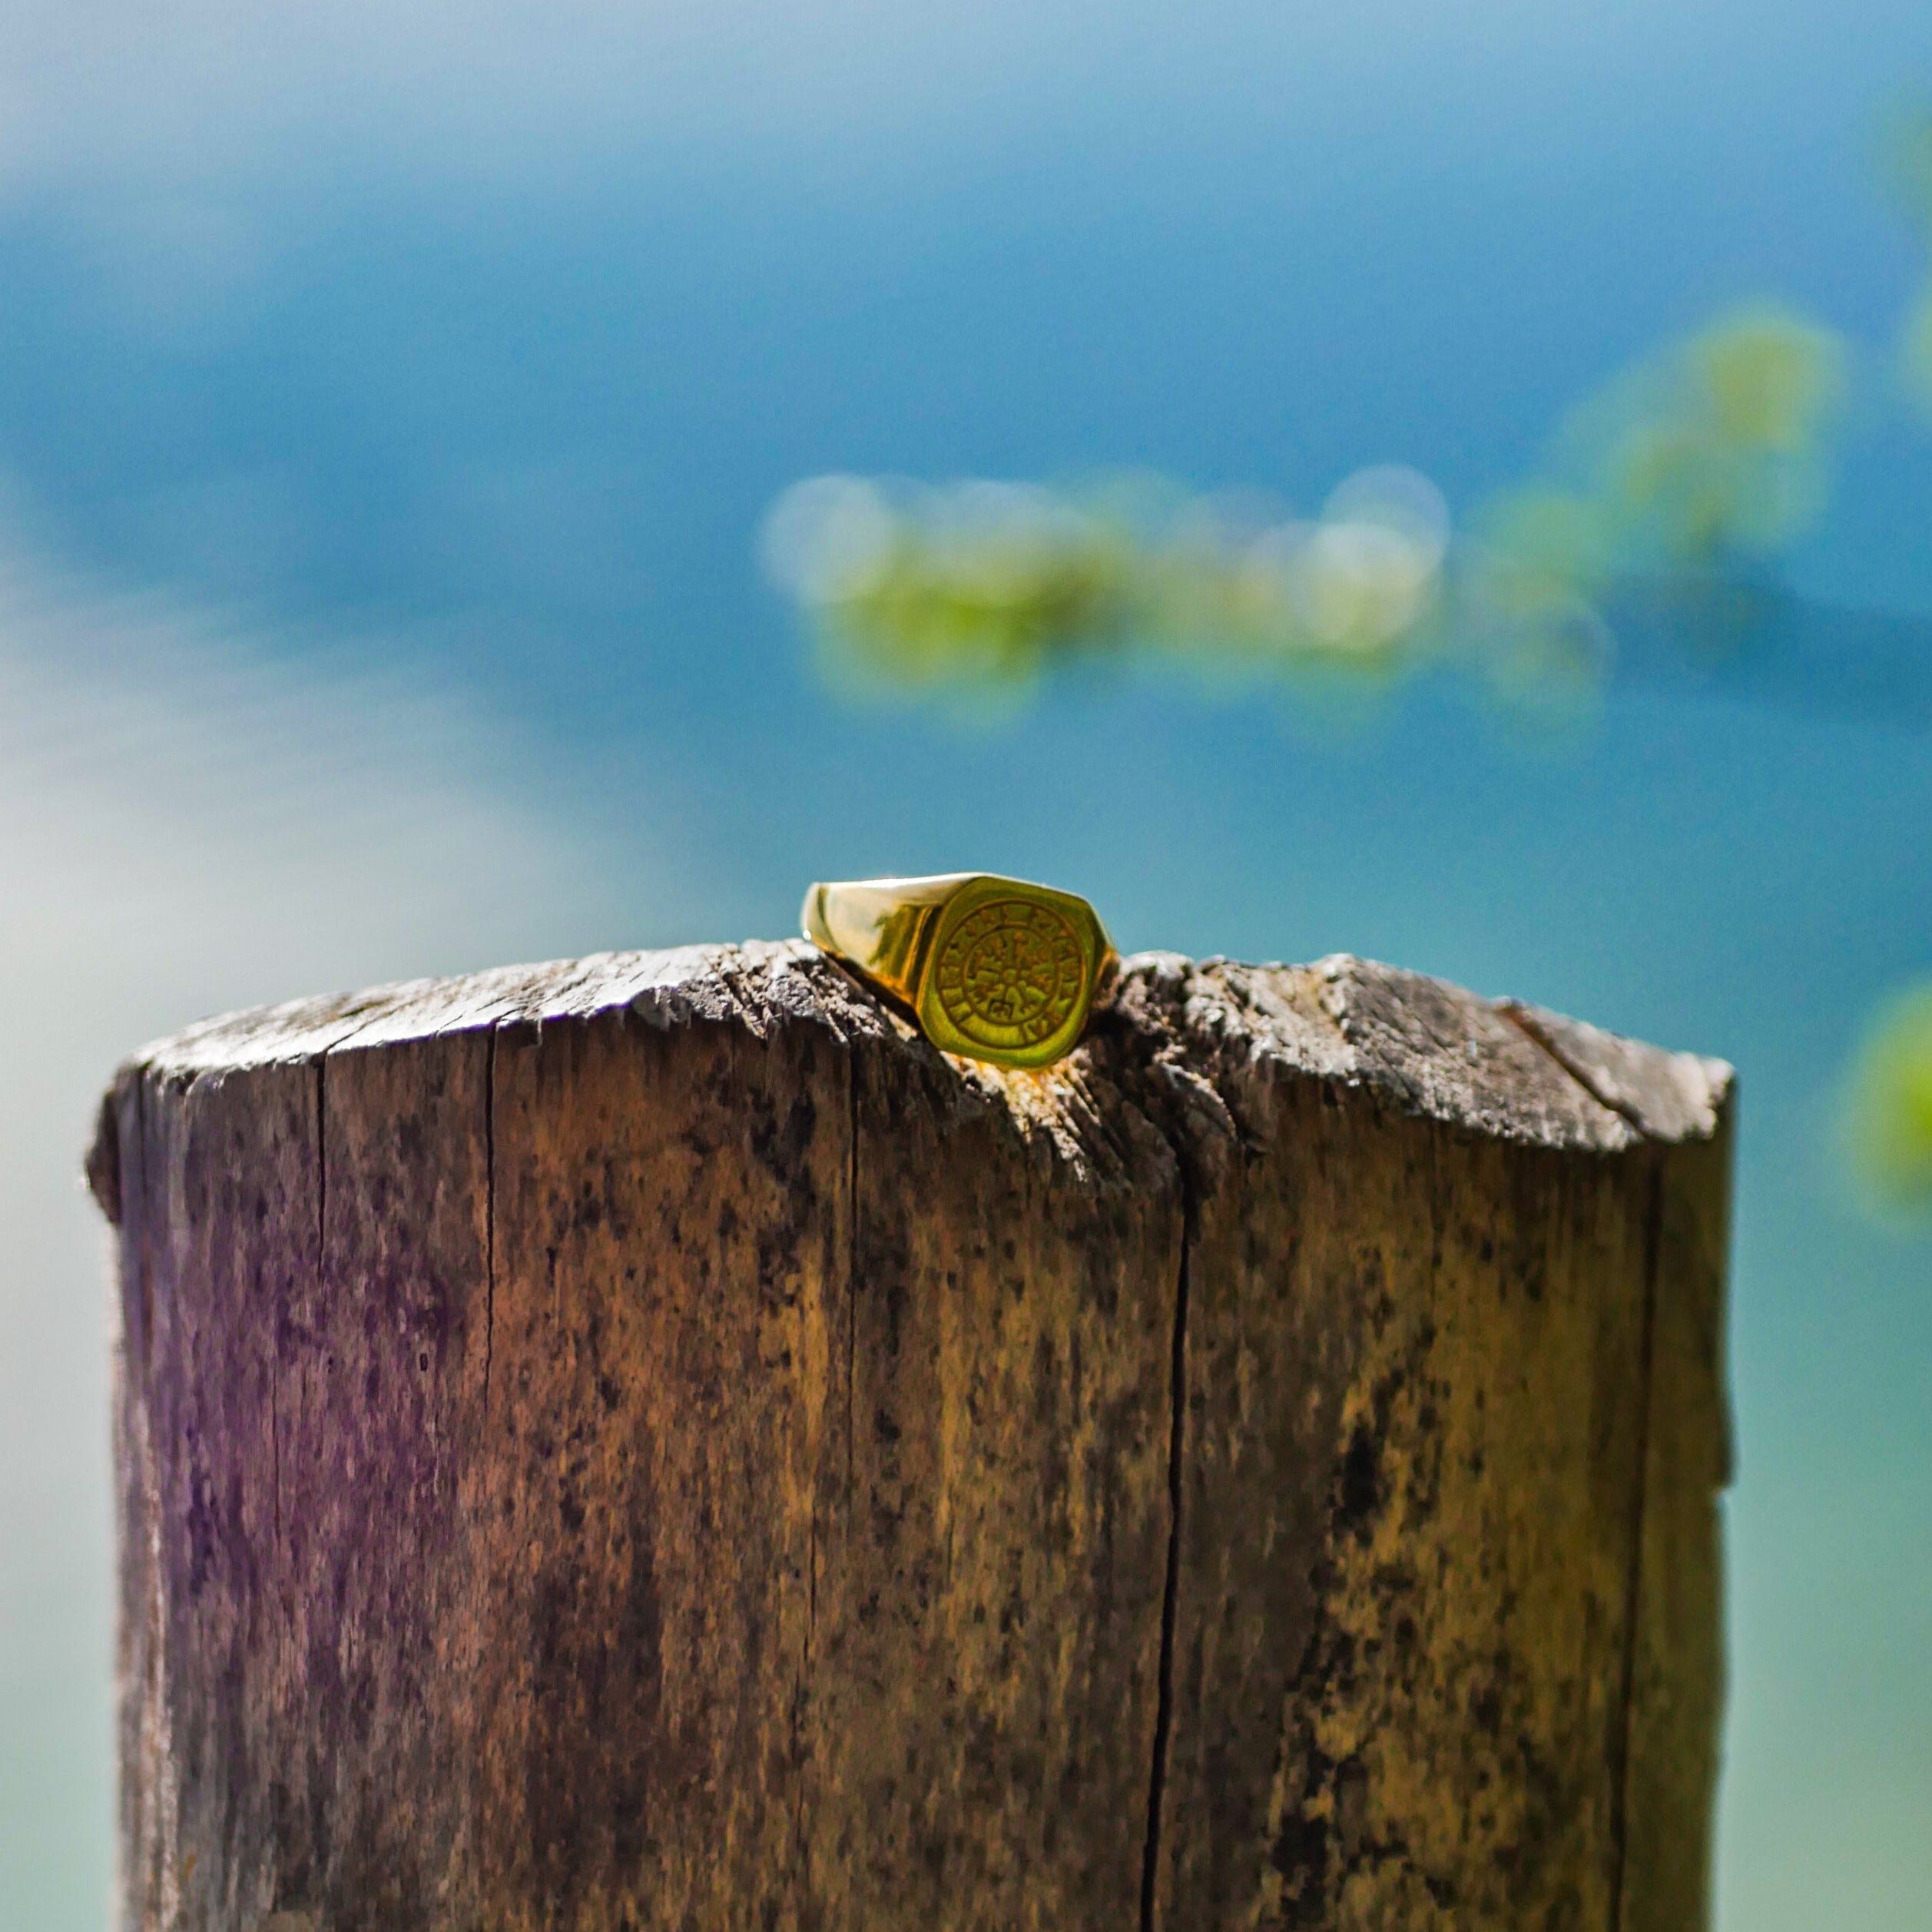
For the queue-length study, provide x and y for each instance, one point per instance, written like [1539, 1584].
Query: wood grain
[647, 1442]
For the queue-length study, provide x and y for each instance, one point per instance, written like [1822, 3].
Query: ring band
[995, 969]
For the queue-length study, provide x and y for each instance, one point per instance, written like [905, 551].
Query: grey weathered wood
[648, 1442]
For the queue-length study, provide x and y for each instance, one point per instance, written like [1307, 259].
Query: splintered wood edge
[1496, 1067]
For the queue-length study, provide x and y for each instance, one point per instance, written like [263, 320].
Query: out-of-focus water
[388, 422]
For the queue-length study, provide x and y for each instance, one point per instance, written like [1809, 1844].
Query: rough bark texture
[649, 1443]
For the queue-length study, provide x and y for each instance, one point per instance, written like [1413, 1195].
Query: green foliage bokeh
[1693, 469]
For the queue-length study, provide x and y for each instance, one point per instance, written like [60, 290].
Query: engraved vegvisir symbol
[1011, 973]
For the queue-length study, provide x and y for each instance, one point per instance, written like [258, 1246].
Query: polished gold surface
[998, 969]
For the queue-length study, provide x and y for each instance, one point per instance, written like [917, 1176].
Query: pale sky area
[389, 398]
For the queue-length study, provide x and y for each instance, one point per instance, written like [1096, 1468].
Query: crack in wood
[1620, 1769]
[1171, 1584]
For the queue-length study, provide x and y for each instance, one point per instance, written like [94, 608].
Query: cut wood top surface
[1496, 1067]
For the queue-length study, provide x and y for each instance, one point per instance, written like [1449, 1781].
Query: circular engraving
[1011, 973]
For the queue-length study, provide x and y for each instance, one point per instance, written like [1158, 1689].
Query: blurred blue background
[389, 398]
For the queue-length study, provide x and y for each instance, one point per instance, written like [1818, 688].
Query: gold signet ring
[996, 969]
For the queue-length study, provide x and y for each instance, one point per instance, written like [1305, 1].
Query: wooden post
[650, 1443]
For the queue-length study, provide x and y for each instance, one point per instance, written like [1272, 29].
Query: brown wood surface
[648, 1442]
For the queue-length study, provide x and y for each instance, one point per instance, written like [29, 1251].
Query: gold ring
[995, 969]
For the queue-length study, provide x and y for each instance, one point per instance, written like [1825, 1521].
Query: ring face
[1010, 974]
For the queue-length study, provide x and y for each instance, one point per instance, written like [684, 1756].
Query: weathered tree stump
[649, 1443]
